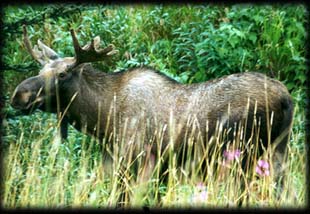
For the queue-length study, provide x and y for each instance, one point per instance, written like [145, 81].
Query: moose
[143, 101]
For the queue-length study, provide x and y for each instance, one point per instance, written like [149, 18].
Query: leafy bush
[192, 43]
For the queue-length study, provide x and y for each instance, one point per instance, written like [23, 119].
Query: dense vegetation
[190, 43]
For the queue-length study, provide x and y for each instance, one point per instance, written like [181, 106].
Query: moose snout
[27, 93]
[21, 99]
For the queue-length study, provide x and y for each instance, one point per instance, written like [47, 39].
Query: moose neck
[94, 93]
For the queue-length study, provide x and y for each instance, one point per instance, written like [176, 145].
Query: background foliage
[190, 43]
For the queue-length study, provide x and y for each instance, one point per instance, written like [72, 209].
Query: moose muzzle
[28, 94]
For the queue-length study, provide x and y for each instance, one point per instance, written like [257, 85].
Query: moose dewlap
[143, 101]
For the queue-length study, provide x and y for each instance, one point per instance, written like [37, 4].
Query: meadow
[189, 43]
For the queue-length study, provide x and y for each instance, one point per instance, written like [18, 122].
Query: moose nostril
[20, 99]
[14, 98]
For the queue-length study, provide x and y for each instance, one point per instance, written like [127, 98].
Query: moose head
[41, 91]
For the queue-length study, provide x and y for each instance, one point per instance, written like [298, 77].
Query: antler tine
[28, 46]
[76, 45]
[90, 52]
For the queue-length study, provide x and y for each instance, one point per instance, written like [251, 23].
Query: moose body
[141, 102]
[142, 93]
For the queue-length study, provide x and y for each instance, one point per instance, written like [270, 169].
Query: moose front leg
[64, 123]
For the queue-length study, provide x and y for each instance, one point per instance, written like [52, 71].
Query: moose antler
[91, 51]
[36, 54]
[41, 56]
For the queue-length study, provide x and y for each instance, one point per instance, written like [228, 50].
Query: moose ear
[47, 51]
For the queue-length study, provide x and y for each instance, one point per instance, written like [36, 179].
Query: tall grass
[42, 171]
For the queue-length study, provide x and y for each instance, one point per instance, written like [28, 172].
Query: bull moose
[143, 101]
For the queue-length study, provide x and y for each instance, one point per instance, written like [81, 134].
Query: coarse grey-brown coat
[143, 93]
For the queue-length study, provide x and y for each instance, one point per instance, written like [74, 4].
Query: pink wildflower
[262, 168]
[231, 155]
[200, 194]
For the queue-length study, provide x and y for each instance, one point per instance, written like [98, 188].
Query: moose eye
[62, 75]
